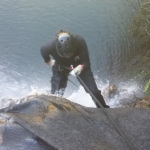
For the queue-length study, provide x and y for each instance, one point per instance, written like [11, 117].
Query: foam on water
[81, 97]
[16, 91]
[126, 92]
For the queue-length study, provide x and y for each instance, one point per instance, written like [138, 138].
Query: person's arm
[83, 53]
[46, 51]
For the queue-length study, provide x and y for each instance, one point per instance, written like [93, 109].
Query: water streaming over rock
[26, 25]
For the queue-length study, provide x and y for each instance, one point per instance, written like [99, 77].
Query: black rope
[96, 100]
[73, 83]
[120, 132]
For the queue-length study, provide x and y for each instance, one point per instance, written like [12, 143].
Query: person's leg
[58, 81]
[88, 79]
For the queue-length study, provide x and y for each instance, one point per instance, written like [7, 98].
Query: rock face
[15, 137]
[64, 125]
[139, 103]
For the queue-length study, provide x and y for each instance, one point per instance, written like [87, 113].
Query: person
[65, 51]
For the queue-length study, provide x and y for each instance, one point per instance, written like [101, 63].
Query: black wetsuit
[60, 75]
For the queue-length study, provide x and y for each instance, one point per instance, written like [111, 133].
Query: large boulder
[15, 137]
[64, 125]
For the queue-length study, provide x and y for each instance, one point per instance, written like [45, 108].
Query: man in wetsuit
[66, 51]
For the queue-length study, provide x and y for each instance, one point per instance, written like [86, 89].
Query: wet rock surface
[139, 103]
[15, 137]
[47, 122]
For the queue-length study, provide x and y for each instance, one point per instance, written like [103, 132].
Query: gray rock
[16, 137]
[64, 125]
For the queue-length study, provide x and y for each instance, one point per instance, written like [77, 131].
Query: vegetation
[147, 86]
[140, 29]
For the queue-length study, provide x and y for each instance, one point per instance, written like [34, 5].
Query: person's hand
[77, 70]
[51, 62]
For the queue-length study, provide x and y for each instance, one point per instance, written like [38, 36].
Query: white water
[126, 94]
[26, 25]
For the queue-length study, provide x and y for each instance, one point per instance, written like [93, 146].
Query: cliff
[50, 123]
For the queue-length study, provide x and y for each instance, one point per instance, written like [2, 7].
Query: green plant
[147, 86]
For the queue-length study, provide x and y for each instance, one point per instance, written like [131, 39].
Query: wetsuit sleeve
[46, 51]
[84, 54]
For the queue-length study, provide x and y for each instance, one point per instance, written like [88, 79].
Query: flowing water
[26, 25]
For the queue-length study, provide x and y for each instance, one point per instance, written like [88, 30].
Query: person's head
[65, 44]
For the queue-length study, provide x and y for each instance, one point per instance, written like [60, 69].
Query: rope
[119, 131]
[117, 128]
[73, 83]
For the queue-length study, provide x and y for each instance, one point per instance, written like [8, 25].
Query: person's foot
[106, 106]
